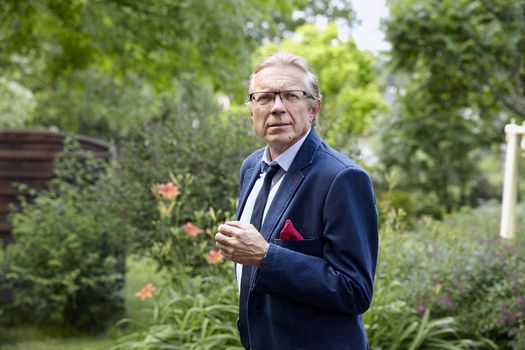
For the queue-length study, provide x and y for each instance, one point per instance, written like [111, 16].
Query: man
[306, 269]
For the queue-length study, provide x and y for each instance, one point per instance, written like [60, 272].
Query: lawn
[139, 273]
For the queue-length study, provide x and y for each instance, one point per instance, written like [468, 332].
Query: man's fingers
[224, 245]
[222, 239]
[237, 224]
[227, 230]
[222, 248]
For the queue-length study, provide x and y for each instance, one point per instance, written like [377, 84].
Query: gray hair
[288, 59]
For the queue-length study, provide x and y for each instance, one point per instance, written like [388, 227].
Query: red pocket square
[289, 232]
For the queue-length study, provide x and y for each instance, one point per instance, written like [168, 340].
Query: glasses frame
[275, 93]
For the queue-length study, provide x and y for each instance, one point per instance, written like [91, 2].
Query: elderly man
[305, 243]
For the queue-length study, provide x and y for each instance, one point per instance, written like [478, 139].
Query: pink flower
[192, 230]
[168, 190]
[146, 292]
[214, 257]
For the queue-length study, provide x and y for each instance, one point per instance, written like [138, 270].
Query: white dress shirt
[284, 160]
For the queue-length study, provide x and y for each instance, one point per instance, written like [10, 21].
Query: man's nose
[278, 105]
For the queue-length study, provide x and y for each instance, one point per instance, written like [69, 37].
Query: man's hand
[241, 243]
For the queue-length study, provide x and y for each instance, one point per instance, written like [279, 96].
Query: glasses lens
[291, 96]
[263, 98]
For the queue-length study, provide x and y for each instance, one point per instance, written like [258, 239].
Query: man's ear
[315, 109]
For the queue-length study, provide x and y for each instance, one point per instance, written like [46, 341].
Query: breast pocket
[305, 246]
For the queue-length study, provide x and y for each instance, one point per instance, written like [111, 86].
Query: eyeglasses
[288, 97]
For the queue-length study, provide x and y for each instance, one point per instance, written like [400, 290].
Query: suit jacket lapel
[281, 201]
[291, 181]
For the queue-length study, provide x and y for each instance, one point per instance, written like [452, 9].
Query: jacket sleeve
[341, 280]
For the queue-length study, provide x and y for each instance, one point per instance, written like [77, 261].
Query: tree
[66, 50]
[477, 47]
[351, 95]
[462, 74]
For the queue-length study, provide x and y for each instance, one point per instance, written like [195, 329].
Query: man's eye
[264, 98]
[291, 96]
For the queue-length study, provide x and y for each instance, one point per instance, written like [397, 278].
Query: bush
[394, 321]
[457, 270]
[480, 278]
[197, 306]
[199, 313]
[191, 136]
[184, 242]
[66, 267]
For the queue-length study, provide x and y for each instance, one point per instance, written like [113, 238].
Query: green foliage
[16, 104]
[197, 306]
[459, 273]
[394, 321]
[192, 136]
[95, 66]
[184, 244]
[481, 280]
[464, 53]
[200, 313]
[458, 69]
[66, 266]
[347, 77]
[91, 102]
[26, 337]
[436, 151]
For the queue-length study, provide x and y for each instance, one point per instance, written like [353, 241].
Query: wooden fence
[26, 156]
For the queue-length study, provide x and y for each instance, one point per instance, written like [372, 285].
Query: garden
[120, 254]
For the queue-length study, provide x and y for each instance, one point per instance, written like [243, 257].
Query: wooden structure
[510, 180]
[26, 156]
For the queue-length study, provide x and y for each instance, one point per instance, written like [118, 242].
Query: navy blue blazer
[310, 294]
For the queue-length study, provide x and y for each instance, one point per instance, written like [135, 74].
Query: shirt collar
[286, 158]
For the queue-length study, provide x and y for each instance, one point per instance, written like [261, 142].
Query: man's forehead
[281, 75]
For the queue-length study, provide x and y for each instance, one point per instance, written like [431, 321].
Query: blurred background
[417, 91]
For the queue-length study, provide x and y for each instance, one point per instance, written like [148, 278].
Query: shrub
[184, 242]
[191, 136]
[200, 313]
[456, 268]
[394, 321]
[66, 267]
[197, 306]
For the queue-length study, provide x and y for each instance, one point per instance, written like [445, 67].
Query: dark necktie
[262, 197]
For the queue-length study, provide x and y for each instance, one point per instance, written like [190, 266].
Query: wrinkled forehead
[279, 77]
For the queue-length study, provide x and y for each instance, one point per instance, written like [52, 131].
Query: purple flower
[446, 301]
[509, 317]
[421, 309]
[520, 301]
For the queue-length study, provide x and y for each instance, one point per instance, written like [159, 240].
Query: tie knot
[272, 170]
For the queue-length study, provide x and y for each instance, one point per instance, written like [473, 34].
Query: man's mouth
[274, 125]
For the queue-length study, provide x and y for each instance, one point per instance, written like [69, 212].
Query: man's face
[279, 123]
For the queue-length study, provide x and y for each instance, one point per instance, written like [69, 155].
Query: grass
[30, 338]
[139, 273]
